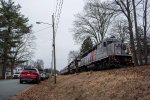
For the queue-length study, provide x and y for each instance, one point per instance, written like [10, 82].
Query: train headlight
[124, 47]
[118, 52]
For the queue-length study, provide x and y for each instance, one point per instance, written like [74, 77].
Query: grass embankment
[117, 84]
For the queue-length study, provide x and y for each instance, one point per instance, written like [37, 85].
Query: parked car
[43, 75]
[16, 75]
[8, 74]
[30, 75]
[47, 75]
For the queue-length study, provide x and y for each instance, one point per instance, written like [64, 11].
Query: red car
[30, 75]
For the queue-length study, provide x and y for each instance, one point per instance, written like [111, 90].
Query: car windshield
[40, 71]
[17, 73]
[30, 70]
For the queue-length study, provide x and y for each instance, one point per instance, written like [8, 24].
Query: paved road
[9, 88]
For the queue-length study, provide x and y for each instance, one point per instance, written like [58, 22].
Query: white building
[18, 69]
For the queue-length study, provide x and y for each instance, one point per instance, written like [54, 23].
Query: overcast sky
[42, 10]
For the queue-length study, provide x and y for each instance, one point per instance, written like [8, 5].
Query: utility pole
[54, 48]
[52, 63]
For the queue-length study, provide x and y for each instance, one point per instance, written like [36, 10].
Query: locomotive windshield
[111, 40]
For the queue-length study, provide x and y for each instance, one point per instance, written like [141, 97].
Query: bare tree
[129, 9]
[72, 55]
[39, 64]
[23, 52]
[120, 29]
[137, 34]
[93, 23]
[125, 7]
[145, 24]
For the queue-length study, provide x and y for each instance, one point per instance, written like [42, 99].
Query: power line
[41, 30]
[29, 32]
[58, 13]
[56, 9]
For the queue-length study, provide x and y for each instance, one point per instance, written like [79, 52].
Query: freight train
[111, 53]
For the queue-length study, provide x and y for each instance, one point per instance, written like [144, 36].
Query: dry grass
[117, 84]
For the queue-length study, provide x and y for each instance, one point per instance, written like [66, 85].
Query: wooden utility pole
[52, 63]
[54, 48]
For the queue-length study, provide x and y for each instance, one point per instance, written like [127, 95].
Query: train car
[87, 59]
[64, 71]
[71, 68]
[110, 53]
[74, 66]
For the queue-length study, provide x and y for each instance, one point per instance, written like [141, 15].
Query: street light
[43, 23]
[53, 25]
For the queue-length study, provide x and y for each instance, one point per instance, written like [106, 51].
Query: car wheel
[21, 81]
[37, 81]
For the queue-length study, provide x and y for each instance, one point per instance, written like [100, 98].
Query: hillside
[118, 84]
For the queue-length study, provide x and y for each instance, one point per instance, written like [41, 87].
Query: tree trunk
[133, 51]
[5, 56]
[12, 66]
[3, 71]
[145, 32]
[137, 35]
[125, 8]
[4, 64]
[131, 34]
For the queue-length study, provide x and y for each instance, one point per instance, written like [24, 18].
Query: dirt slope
[117, 84]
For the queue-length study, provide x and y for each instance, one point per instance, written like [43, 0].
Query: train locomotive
[111, 53]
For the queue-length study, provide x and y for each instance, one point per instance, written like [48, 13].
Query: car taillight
[34, 73]
[23, 72]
